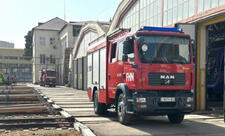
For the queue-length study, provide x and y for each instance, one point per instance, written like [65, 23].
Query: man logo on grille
[167, 77]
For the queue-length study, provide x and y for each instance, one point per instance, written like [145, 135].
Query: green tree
[28, 50]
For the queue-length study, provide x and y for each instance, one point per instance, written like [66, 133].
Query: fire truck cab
[47, 77]
[148, 72]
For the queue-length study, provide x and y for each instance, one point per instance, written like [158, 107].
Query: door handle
[109, 76]
[124, 75]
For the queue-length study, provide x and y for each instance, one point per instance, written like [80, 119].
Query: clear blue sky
[17, 17]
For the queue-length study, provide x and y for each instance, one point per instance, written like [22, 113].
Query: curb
[84, 130]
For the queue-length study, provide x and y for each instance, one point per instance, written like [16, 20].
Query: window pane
[145, 13]
[180, 12]
[148, 11]
[174, 3]
[165, 19]
[170, 16]
[214, 3]
[165, 5]
[151, 10]
[120, 52]
[180, 1]
[159, 20]
[207, 4]
[170, 4]
[159, 6]
[191, 7]
[142, 15]
[131, 20]
[185, 13]
[155, 7]
[174, 14]
[155, 20]
[142, 4]
[113, 52]
[221, 2]
[200, 5]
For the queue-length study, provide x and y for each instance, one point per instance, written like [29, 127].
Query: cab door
[115, 69]
[129, 68]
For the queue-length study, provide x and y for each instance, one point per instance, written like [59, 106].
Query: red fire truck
[148, 72]
[47, 77]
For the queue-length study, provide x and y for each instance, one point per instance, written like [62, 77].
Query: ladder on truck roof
[117, 32]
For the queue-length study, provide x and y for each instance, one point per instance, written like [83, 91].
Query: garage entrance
[215, 66]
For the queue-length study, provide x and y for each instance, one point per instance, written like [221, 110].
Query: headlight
[141, 100]
[190, 99]
[144, 47]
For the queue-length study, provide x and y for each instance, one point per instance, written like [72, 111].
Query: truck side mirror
[193, 49]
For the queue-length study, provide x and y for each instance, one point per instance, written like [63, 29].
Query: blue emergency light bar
[164, 29]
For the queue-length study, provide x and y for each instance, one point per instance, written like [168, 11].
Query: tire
[176, 118]
[99, 108]
[123, 117]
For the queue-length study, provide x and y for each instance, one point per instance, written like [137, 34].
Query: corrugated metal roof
[104, 26]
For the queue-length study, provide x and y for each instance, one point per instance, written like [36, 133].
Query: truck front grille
[172, 79]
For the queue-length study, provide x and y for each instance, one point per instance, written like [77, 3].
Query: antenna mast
[65, 10]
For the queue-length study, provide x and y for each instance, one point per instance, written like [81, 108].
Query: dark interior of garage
[215, 66]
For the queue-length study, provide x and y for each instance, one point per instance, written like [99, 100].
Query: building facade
[4, 44]
[52, 44]
[67, 36]
[14, 63]
[46, 47]
[78, 64]
[204, 20]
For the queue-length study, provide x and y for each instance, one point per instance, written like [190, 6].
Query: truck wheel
[123, 117]
[99, 108]
[176, 118]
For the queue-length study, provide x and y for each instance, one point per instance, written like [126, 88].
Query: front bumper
[153, 102]
[50, 83]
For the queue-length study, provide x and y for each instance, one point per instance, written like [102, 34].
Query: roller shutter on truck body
[89, 70]
[97, 66]
[84, 73]
[102, 68]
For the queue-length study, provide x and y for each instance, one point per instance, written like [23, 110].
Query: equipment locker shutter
[89, 69]
[80, 75]
[75, 75]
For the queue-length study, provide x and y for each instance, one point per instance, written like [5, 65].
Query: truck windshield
[50, 73]
[164, 49]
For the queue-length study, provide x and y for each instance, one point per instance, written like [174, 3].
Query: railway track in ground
[22, 107]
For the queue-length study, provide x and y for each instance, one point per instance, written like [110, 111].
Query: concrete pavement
[76, 103]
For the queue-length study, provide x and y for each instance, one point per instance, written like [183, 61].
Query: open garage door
[215, 66]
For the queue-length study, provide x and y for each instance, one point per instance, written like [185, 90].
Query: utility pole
[65, 10]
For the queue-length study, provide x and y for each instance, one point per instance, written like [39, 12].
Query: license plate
[167, 99]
